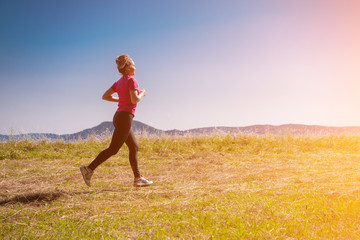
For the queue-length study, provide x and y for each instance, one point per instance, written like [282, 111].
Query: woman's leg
[122, 122]
[139, 181]
[133, 150]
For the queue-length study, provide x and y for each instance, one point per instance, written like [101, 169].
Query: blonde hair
[122, 61]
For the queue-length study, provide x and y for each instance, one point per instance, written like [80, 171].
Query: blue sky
[203, 63]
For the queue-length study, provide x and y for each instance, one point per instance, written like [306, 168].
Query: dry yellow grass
[222, 187]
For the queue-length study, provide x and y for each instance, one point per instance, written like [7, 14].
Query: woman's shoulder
[128, 78]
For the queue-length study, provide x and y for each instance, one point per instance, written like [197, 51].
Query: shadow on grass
[45, 197]
[33, 198]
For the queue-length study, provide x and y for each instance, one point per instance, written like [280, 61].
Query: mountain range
[106, 129]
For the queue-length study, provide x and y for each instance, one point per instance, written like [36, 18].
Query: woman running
[129, 96]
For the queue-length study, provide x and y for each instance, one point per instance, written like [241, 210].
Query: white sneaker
[142, 182]
[87, 174]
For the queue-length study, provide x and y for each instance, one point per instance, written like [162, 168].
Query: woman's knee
[112, 151]
[134, 148]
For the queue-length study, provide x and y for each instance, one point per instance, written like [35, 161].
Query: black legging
[122, 133]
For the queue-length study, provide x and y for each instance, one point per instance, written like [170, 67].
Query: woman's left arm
[108, 96]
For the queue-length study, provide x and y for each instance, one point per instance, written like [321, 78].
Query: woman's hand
[143, 92]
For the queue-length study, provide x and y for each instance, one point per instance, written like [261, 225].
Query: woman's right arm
[136, 97]
[108, 96]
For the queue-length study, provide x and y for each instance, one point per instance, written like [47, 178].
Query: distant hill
[106, 129]
[292, 129]
[103, 130]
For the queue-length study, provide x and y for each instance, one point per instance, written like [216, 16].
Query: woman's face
[130, 69]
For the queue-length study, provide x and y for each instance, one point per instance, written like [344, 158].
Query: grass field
[219, 187]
